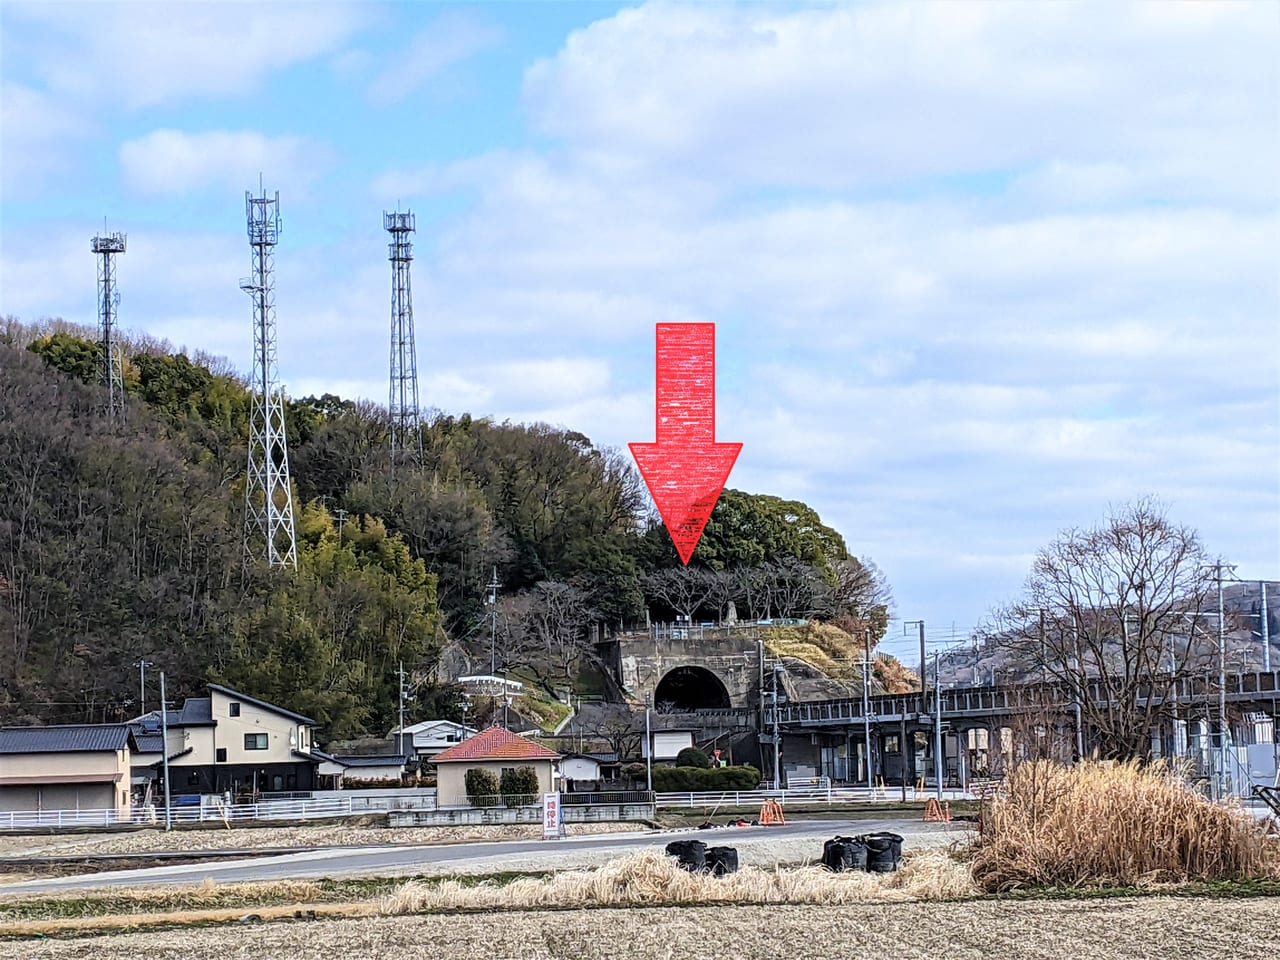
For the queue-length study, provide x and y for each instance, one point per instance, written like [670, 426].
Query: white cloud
[448, 40]
[882, 93]
[174, 162]
[146, 54]
[36, 130]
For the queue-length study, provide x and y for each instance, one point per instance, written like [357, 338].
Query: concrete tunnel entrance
[690, 688]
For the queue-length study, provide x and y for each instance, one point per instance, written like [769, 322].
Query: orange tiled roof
[496, 743]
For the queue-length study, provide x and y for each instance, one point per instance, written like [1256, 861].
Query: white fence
[212, 811]
[830, 794]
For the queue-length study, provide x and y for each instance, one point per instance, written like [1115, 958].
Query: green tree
[693, 757]
[482, 787]
[519, 786]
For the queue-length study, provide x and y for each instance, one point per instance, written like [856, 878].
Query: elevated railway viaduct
[711, 680]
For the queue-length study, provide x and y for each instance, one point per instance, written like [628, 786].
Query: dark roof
[149, 742]
[195, 712]
[597, 757]
[237, 695]
[367, 761]
[78, 738]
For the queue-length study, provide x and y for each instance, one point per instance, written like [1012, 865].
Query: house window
[233, 709]
[220, 755]
[255, 741]
[891, 744]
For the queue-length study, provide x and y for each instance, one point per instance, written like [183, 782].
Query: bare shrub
[1102, 823]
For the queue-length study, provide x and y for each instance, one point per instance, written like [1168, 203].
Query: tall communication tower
[268, 498]
[406, 432]
[106, 247]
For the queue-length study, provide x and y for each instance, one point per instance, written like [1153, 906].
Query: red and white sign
[552, 817]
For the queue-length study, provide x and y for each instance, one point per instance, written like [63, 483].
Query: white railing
[830, 794]
[211, 812]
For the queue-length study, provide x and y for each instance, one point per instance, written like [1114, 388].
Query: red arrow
[686, 469]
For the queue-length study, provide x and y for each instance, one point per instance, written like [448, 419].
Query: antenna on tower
[106, 246]
[406, 426]
[268, 496]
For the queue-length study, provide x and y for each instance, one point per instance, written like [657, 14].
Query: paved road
[405, 860]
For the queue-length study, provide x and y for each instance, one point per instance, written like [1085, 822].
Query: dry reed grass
[651, 878]
[1113, 824]
[117, 922]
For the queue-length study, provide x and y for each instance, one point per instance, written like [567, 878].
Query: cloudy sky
[979, 271]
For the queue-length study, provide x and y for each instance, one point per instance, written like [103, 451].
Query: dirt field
[244, 838]
[1149, 927]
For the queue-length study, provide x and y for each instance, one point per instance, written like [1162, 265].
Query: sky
[979, 272]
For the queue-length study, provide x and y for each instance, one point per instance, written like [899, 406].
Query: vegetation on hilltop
[122, 541]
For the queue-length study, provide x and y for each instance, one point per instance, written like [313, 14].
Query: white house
[431, 737]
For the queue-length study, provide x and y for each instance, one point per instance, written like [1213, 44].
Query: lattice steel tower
[268, 498]
[406, 426]
[106, 247]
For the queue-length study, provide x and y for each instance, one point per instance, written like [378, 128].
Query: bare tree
[619, 727]
[1109, 614]
[546, 631]
[686, 590]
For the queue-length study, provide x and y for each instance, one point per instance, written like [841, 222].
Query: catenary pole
[1266, 631]
[939, 761]
[866, 707]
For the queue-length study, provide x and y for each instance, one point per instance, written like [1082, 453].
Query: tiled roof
[496, 744]
[80, 738]
[149, 742]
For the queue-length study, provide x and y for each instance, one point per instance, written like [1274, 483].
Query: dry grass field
[1159, 928]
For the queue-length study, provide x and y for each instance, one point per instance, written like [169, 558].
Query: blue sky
[980, 271]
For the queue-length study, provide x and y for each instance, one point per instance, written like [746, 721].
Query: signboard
[552, 817]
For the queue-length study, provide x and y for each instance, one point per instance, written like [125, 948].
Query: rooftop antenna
[406, 426]
[106, 246]
[268, 496]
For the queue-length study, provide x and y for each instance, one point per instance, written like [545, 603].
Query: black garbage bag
[722, 860]
[692, 854]
[844, 853]
[884, 852]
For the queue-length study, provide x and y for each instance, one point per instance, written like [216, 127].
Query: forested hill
[122, 542]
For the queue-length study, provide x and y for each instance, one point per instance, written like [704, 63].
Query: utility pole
[400, 673]
[866, 708]
[648, 746]
[340, 515]
[142, 684]
[777, 751]
[939, 764]
[164, 739]
[493, 625]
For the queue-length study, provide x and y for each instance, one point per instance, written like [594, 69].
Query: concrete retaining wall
[477, 815]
